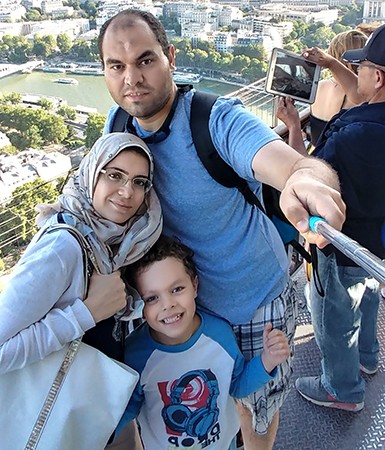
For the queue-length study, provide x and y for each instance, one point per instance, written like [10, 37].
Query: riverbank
[91, 91]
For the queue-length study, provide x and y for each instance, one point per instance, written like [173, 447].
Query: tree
[20, 212]
[33, 15]
[13, 98]
[67, 112]
[29, 138]
[320, 37]
[64, 43]
[239, 63]
[44, 46]
[95, 125]
[45, 103]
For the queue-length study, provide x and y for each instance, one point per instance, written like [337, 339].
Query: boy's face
[169, 296]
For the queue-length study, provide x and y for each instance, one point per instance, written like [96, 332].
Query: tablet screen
[290, 74]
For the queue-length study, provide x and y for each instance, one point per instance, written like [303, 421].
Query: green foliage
[319, 37]
[94, 130]
[15, 49]
[13, 98]
[2, 265]
[68, 112]
[33, 15]
[9, 150]
[64, 43]
[50, 128]
[44, 46]
[18, 218]
[45, 103]
[351, 15]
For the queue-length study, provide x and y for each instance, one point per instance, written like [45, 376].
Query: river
[91, 90]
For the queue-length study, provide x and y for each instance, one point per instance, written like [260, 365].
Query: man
[345, 318]
[239, 255]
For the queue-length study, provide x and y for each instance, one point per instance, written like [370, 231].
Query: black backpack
[219, 170]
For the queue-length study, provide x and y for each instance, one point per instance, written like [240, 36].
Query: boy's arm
[249, 376]
[261, 369]
[133, 408]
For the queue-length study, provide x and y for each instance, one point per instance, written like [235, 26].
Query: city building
[27, 166]
[374, 11]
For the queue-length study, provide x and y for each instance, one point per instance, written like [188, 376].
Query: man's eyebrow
[113, 61]
[146, 54]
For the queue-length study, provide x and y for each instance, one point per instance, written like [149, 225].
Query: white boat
[86, 71]
[186, 78]
[54, 69]
[67, 81]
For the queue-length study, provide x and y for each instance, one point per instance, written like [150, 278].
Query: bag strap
[218, 169]
[72, 350]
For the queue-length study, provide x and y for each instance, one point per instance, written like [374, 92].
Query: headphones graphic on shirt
[180, 418]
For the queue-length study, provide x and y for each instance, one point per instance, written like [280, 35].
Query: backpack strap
[120, 120]
[218, 169]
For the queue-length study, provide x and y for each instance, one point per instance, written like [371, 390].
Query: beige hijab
[114, 245]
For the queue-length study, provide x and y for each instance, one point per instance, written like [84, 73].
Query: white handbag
[88, 407]
[73, 399]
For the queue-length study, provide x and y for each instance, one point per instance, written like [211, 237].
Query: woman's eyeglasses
[117, 178]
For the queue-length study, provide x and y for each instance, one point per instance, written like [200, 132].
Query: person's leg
[368, 343]
[252, 440]
[128, 439]
[259, 411]
[336, 319]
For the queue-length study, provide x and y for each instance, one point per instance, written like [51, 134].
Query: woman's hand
[318, 56]
[287, 112]
[106, 295]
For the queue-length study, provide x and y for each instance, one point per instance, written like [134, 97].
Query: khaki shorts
[282, 313]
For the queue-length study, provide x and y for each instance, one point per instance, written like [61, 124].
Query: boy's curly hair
[164, 247]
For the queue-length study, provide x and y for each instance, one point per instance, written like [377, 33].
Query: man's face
[137, 72]
[366, 73]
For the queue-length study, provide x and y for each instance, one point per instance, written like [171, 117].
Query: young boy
[189, 363]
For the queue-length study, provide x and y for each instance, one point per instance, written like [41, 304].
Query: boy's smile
[169, 295]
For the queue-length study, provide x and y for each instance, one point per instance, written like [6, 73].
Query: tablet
[292, 75]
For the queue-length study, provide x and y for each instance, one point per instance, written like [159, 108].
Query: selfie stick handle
[352, 249]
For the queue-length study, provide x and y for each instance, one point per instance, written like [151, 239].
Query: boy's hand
[275, 348]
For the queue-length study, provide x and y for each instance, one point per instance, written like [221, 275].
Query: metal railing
[15, 232]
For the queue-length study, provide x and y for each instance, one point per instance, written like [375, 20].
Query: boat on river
[53, 69]
[187, 78]
[86, 71]
[67, 81]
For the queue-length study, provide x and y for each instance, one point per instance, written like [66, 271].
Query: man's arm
[308, 186]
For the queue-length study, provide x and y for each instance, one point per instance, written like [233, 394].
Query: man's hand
[312, 188]
[106, 295]
[275, 348]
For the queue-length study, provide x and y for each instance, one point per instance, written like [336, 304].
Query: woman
[110, 201]
[331, 98]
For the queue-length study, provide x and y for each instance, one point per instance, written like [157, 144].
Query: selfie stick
[352, 249]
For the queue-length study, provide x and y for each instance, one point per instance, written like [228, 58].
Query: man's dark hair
[164, 247]
[127, 18]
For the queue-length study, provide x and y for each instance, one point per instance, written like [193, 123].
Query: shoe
[368, 371]
[312, 389]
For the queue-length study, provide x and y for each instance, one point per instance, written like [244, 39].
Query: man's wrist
[316, 169]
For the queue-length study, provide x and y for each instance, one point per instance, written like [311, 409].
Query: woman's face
[117, 202]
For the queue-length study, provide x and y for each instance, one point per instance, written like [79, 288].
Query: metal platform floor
[304, 426]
